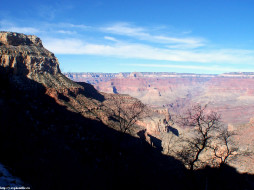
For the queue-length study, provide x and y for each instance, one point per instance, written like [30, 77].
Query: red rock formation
[231, 94]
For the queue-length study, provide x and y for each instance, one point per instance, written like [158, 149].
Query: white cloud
[6, 25]
[46, 29]
[63, 46]
[125, 29]
[140, 51]
[110, 38]
[166, 48]
[66, 32]
[184, 46]
[140, 33]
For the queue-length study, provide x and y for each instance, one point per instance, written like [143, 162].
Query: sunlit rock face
[25, 56]
[230, 94]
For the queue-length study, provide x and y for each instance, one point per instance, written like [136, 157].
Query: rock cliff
[26, 57]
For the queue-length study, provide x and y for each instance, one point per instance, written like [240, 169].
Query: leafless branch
[126, 114]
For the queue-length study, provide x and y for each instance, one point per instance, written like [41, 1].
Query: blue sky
[190, 36]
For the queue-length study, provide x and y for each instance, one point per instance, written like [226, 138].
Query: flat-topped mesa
[26, 55]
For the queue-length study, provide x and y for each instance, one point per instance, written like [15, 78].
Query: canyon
[230, 94]
[56, 133]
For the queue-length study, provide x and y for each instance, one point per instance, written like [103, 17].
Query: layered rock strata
[231, 94]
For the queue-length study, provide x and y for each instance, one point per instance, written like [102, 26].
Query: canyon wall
[231, 94]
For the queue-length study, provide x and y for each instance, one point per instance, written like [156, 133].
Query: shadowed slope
[51, 147]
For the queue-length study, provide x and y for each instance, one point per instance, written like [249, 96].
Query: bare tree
[225, 149]
[126, 114]
[203, 125]
[204, 140]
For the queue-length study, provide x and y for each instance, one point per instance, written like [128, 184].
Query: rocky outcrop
[26, 55]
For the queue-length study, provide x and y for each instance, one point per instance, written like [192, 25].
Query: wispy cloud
[44, 28]
[125, 29]
[141, 51]
[110, 38]
[25, 30]
[6, 25]
[140, 33]
[123, 40]
[69, 25]
[66, 32]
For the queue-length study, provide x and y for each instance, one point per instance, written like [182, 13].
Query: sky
[184, 36]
